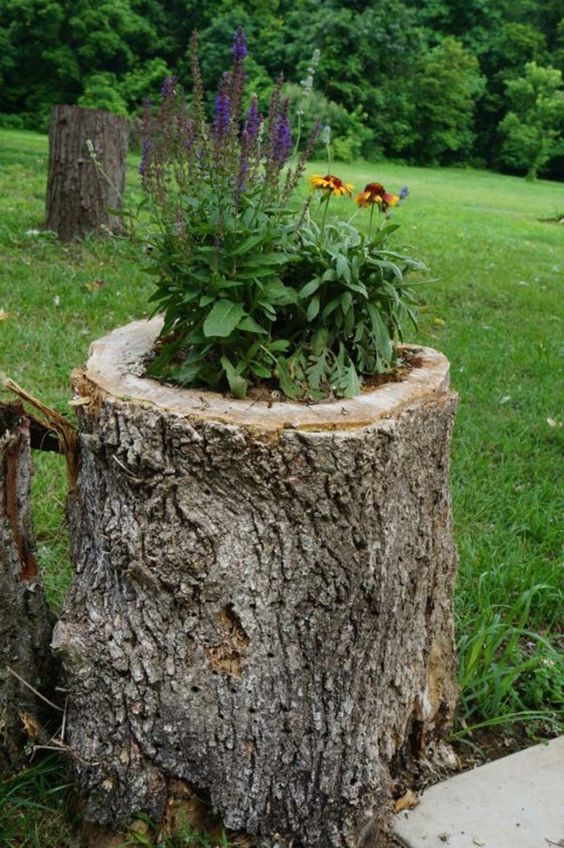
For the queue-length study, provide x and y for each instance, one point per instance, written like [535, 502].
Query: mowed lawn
[494, 307]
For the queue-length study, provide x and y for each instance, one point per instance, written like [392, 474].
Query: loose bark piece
[80, 191]
[262, 602]
[25, 621]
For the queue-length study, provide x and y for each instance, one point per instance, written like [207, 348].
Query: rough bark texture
[263, 613]
[78, 194]
[25, 622]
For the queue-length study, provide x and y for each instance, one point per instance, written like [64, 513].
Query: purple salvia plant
[222, 116]
[166, 130]
[282, 138]
[168, 88]
[198, 95]
[236, 87]
[184, 159]
[249, 159]
[269, 145]
[239, 45]
[242, 173]
[253, 121]
[404, 193]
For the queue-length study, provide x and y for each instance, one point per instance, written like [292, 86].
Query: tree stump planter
[262, 604]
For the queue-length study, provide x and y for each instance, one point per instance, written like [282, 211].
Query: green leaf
[287, 384]
[331, 306]
[237, 384]
[260, 371]
[251, 326]
[248, 244]
[276, 292]
[310, 288]
[343, 268]
[379, 329]
[223, 318]
[279, 345]
[313, 308]
[319, 341]
[266, 259]
[351, 383]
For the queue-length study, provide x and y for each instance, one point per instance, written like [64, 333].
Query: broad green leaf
[251, 326]
[310, 288]
[287, 384]
[279, 345]
[265, 259]
[237, 384]
[276, 292]
[379, 329]
[313, 308]
[331, 306]
[223, 318]
[260, 371]
[343, 269]
[249, 244]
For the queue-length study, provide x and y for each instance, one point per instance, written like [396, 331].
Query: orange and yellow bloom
[330, 184]
[376, 193]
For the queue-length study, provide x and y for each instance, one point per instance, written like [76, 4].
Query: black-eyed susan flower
[331, 184]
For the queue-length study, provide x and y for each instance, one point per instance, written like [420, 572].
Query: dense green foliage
[532, 128]
[421, 80]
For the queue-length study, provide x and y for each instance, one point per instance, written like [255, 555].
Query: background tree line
[425, 81]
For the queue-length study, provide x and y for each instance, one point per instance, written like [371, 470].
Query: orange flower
[376, 193]
[330, 184]
[373, 193]
[390, 200]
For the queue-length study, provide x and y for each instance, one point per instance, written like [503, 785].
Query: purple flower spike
[222, 114]
[403, 192]
[252, 124]
[282, 141]
[168, 88]
[239, 45]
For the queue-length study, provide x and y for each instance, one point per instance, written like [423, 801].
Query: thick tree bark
[25, 621]
[262, 604]
[79, 191]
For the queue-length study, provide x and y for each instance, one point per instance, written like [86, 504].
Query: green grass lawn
[495, 309]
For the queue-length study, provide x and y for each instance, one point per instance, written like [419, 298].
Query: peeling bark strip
[78, 194]
[25, 622]
[265, 614]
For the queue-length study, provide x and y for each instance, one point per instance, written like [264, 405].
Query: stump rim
[112, 372]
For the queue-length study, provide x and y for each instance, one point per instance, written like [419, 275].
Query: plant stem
[329, 195]
[371, 221]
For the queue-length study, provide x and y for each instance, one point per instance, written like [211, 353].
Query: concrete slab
[515, 802]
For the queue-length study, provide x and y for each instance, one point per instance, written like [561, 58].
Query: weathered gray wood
[25, 621]
[78, 192]
[262, 603]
